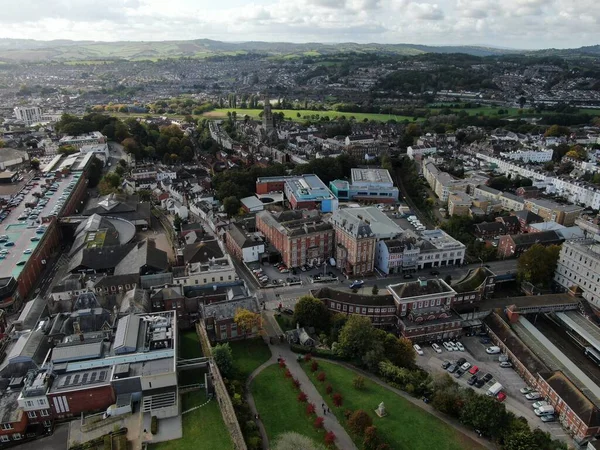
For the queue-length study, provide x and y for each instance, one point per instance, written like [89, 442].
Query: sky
[522, 24]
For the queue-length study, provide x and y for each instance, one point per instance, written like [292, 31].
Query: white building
[93, 138]
[579, 265]
[415, 151]
[527, 156]
[442, 183]
[28, 114]
[100, 150]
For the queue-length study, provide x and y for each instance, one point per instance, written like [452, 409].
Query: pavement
[56, 441]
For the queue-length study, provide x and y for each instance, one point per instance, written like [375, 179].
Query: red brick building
[576, 412]
[13, 422]
[300, 236]
[354, 244]
[219, 319]
[68, 397]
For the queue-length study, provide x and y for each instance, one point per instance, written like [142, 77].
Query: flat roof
[20, 232]
[368, 175]
[77, 352]
[420, 288]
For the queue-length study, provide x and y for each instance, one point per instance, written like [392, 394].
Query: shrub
[359, 421]
[371, 440]
[321, 377]
[329, 438]
[310, 409]
[107, 442]
[358, 382]
[307, 357]
[295, 383]
[348, 413]
[154, 425]
[302, 397]
[329, 389]
[254, 443]
[320, 352]
[384, 446]
[282, 362]
[337, 399]
[319, 422]
[314, 366]
[287, 373]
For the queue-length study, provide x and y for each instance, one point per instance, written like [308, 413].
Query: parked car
[533, 396]
[445, 364]
[426, 399]
[452, 368]
[461, 361]
[485, 340]
[459, 373]
[288, 311]
[466, 366]
[472, 380]
[544, 410]
[407, 276]
[525, 390]
[418, 350]
[453, 345]
[479, 383]
[506, 364]
[501, 396]
[487, 377]
[460, 347]
[474, 370]
[503, 358]
[436, 348]
[548, 418]
[447, 346]
[492, 350]
[539, 404]
[434, 272]
[357, 284]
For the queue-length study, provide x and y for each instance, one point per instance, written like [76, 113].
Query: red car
[474, 370]
[501, 396]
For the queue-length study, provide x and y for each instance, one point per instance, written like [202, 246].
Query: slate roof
[143, 254]
[241, 237]
[350, 297]
[202, 251]
[542, 237]
[528, 216]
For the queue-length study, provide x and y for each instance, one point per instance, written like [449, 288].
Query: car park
[544, 410]
[485, 340]
[447, 346]
[459, 373]
[452, 368]
[474, 370]
[501, 396]
[479, 383]
[472, 380]
[436, 348]
[525, 390]
[461, 361]
[288, 311]
[506, 364]
[503, 358]
[466, 366]
[34, 239]
[445, 364]
[9, 244]
[460, 347]
[27, 251]
[418, 350]
[434, 272]
[548, 418]
[533, 396]
[487, 377]
[453, 345]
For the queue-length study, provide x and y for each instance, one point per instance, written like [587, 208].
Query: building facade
[354, 244]
[366, 185]
[28, 114]
[579, 265]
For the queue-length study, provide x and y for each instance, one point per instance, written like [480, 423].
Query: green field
[406, 426]
[512, 112]
[278, 407]
[189, 347]
[201, 426]
[248, 354]
[293, 114]
[285, 322]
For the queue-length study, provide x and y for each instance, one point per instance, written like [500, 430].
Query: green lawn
[293, 114]
[405, 427]
[189, 347]
[278, 407]
[248, 354]
[200, 427]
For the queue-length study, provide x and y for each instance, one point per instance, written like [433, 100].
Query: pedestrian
[323, 405]
[328, 410]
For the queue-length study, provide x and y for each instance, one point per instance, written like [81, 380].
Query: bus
[593, 354]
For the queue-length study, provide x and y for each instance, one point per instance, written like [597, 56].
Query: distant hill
[65, 50]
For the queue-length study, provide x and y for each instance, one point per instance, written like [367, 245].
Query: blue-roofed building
[301, 191]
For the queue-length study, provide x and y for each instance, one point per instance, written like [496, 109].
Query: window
[7, 426]
[44, 413]
[17, 436]
[31, 414]
[47, 423]
[41, 402]
[28, 402]
[351, 309]
[4, 438]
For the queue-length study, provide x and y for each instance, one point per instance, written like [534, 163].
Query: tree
[2, 143]
[231, 205]
[109, 183]
[35, 164]
[371, 440]
[223, 357]
[311, 312]
[375, 290]
[484, 413]
[67, 150]
[537, 264]
[177, 222]
[399, 351]
[357, 337]
[577, 152]
[522, 440]
[358, 382]
[556, 131]
[95, 172]
[359, 421]
[246, 320]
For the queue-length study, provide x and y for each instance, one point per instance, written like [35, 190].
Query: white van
[544, 410]
[494, 389]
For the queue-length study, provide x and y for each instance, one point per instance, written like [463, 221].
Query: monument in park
[380, 411]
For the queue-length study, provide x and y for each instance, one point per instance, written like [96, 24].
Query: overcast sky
[500, 23]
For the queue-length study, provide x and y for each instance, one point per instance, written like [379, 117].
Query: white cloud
[509, 23]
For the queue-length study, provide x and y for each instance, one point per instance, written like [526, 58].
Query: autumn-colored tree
[310, 409]
[314, 366]
[329, 389]
[358, 382]
[302, 397]
[359, 421]
[329, 438]
[246, 320]
[337, 399]
[321, 377]
[287, 373]
[371, 440]
[319, 422]
[295, 383]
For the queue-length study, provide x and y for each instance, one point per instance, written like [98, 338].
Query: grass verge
[248, 354]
